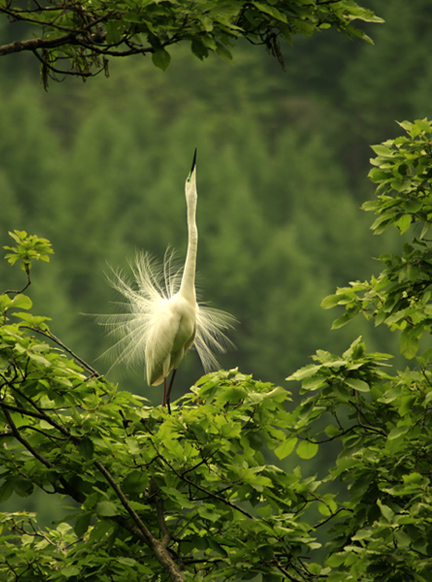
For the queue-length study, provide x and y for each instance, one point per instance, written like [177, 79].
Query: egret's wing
[210, 335]
[130, 329]
[154, 283]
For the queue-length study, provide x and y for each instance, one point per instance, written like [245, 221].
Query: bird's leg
[164, 393]
[168, 396]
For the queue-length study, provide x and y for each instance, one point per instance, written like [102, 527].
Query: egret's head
[190, 186]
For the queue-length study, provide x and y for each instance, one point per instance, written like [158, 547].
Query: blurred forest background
[283, 157]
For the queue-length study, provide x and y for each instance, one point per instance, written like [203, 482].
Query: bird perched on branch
[162, 319]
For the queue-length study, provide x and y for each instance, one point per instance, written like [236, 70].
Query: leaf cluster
[382, 420]
[85, 33]
[400, 296]
[383, 424]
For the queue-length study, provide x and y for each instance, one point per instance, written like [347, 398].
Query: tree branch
[155, 491]
[159, 548]
[37, 43]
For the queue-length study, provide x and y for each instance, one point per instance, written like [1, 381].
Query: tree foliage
[86, 33]
[400, 296]
[196, 495]
[187, 495]
[382, 420]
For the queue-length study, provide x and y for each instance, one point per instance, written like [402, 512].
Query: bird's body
[163, 319]
[170, 339]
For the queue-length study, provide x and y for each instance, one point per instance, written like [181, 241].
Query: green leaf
[161, 59]
[412, 205]
[39, 360]
[286, 447]
[224, 53]
[336, 299]
[327, 505]
[106, 509]
[6, 490]
[70, 571]
[383, 151]
[413, 478]
[307, 450]
[404, 222]
[32, 320]
[315, 568]
[305, 372]
[21, 302]
[233, 395]
[207, 23]
[386, 511]
[23, 487]
[315, 382]
[397, 432]
[409, 343]
[271, 11]
[113, 35]
[423, 125]
[102, 528]
[199, 49]
[86, 448]
[357, 384]
[342, 320]
[82, 524]
[135, 482]
[126, 561]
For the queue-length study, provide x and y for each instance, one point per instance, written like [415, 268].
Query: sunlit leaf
[307, 449]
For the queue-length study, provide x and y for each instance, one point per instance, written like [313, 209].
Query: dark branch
[37, 43]
[64, 347]
[159, 548]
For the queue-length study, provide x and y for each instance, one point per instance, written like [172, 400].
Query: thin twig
[64, 347]
[39, 414]
[360, 423]
[327, 519]
[210, 494]
[24, 442]
[18, 292]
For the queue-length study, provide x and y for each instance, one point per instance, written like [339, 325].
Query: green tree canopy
[86, 33]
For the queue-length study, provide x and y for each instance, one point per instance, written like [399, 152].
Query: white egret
[162, 318]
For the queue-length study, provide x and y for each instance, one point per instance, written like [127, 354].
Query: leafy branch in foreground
[27, 249]
[381, 421]
[186, 496]
[383, 428]
[78, 37]
[400, 297]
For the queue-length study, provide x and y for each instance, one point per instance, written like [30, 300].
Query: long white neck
[187, 287]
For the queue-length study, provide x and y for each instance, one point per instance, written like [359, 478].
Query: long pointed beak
[194, 161]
